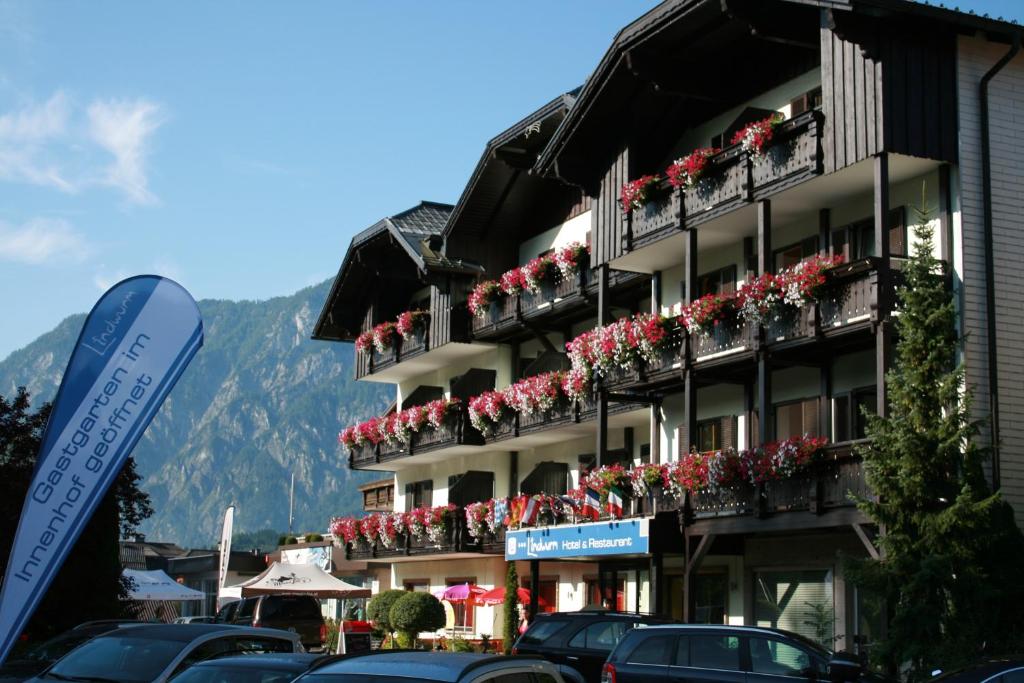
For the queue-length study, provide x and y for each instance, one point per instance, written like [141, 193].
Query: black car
[45, 654]
[580, 640]
[703, 653]
[298, 613]
[405, 666]
[1002, 670]
[264, 668]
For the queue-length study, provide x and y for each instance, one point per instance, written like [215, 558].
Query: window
[716, 433]
[796, 418]
[541, 630]
[848, 421]
[245, 608]
[683, 651]
[721, 281]
[774, 657]
[795, 253]
[416, 585]
[796, 600]
[857, 240]
[710, 596]
[419, 494]
[809, 100]
[464, 611]
[251, 644]
[715, 652]
[656, 650]
[604, 635]
[548, 594]
[594, 597]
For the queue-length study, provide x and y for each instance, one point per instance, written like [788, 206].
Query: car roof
[981, 671]
[432, 666]
[188, 632]
[588, 613]
[285, 661]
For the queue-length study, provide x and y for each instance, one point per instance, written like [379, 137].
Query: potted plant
[412, 326]
[484, 299]
[636, 193]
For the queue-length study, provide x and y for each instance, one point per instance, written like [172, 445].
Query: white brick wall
[1006, 108]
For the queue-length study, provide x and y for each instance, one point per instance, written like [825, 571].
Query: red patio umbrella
[461, 593]
[496, 596]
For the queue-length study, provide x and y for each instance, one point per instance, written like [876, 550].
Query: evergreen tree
[510, 624]
[88, 585]
[950, 550]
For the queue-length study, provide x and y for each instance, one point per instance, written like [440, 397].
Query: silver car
[153, 653]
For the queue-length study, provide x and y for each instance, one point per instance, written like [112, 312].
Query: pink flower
[482, 296]
[571, 257]
[513, 281]
[685, 172]
[636, 193]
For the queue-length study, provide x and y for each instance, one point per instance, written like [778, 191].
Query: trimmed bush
[416, 612]
[378, 610]
[314, 538]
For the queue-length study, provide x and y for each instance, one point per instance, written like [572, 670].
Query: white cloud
[123, 128]
[42, 240]
[58, 144]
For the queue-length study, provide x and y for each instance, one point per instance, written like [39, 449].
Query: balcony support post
[602, 427]
[603, 314]
[824, 231]
[824, 402]
[945, 218]
[656, 292]
[765, 264]
[534, 587]
[690, 267]
[656, 579]
[694, 558]
[513, 474]
[883, 333]
[764, 237]
[689, 412]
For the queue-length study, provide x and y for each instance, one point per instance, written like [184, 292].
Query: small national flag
[592, 504]
[569, 502]
[530, 511]
[615, 502]
[501, 509]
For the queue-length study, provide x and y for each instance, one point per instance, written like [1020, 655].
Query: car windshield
[118, 658]
[55, 648]
[234, 674]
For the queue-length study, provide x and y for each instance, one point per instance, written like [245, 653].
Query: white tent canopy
[156, 585]
[300, 579]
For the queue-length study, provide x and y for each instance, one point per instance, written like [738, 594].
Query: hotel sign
[624, 537]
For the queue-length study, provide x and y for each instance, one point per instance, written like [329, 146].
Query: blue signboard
[579, 540]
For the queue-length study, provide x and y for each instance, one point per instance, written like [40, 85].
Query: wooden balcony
[455, 436]
[666, 368]
[832, 484]
[456, 541]
[445, 339]
[565, 422]
[560, 302]
[732, 179]
[724, 344]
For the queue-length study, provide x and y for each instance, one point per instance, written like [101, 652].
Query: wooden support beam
[689, 411]
[693, 560]
[869, 544]
[764, 237]
[602, 427]
[603, 303]
[690, 267]
[824, 231]
[656, 293]
[534, 588]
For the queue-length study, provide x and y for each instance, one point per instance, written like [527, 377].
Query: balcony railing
[731, 179]
[723, 342]
[455, 540]
[834, 482]
[444, 324]
[457, 431]
[574, 412]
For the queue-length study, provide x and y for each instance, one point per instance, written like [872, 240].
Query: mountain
[259, 401]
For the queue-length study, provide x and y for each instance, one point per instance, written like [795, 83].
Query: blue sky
[237, 146]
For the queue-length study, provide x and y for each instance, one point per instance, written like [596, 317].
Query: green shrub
[282, 540]
[290, 540]
[314, 538]
[416, 612]
[378, 610]
[459, 644]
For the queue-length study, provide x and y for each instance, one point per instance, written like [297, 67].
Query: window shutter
[410, 494]
[427, 489]
[728, 431]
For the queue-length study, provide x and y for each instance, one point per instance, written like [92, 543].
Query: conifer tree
[511, 612]
[950, 550]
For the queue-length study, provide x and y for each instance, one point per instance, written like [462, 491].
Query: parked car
[383, 666]
[226, 614]
[195, 620]
[580, 640]
[267, 668]
[153, 653]
[704, 653]
[48, 652]
[1002, 670]
[298, 613]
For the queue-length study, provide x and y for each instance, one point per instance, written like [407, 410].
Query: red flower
[685, 172]
[636, 193]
